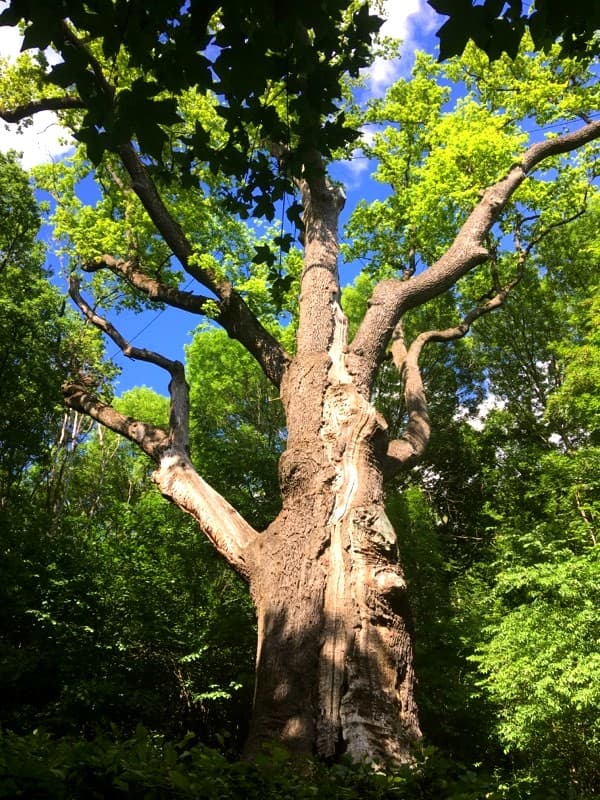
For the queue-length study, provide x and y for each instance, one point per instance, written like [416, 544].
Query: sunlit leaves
[237, 425]
[438, 154]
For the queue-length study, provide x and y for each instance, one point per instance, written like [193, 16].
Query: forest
[352, 550]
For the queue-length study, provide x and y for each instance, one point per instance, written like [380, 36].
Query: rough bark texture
[334, 664]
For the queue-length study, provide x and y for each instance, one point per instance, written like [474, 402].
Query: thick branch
[36, 106]
[153, 289]
[405, 452]
[151, 439]
[175, 475]
[391, 298]
[232, 536]
[234, 315]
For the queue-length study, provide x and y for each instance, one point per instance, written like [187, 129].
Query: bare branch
[106, 327]
[391, 298]
[151, 439]
[175, 476]
[232, 536]
[405, 452]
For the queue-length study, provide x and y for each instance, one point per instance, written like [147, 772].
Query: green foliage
[42, 343]
[498, 27]
[279, 77]
[237, 424]
[528, 603]
[114, 606]
[437, 155]
[148, 766]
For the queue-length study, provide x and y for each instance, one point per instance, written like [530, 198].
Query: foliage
[36, 332]
[498, 27]
[148, 766]
[278, 76]
[114, 607]
[520, 537]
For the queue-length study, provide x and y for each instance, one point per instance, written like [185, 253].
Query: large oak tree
[212, 112]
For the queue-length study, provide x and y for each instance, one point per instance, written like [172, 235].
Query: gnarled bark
[334, 664]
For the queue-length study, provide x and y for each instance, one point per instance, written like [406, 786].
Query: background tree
[334, 667]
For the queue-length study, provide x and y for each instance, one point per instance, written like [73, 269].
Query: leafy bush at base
[147, 766]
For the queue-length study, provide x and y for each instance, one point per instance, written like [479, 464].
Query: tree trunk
[334, 663]
[334, 670]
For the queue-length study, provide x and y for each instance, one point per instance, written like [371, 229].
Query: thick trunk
[334, 665]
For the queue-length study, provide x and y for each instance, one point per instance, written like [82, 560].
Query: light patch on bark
[177, 480]
[346, 419]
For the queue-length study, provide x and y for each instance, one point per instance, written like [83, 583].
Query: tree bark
[334, 662]
[334, 670]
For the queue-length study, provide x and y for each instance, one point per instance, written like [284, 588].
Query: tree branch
[36, 106]
[392, 298]
[175, 476]
[234, 315]
[153, 289]
[405, 452]
[150, 438]
[108, 328]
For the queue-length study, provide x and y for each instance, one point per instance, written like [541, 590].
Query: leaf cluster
[277, 75]
[498, 27]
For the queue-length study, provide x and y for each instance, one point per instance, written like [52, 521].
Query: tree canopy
[497, 26]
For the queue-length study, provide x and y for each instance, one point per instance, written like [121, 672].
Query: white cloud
[412, 22]
[397, 16]
[44, 139]
[490, 403]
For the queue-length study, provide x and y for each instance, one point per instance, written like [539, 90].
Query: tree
[195, 118]
[537, 664]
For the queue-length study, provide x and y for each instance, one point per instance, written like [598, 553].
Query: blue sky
[412, 21]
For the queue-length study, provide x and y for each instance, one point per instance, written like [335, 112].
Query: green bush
[147, 766]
